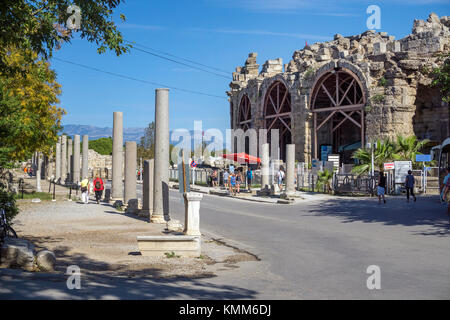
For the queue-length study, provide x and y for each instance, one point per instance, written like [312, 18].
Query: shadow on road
[427, 211]
[101, 280]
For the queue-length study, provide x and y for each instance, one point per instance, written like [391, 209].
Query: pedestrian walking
[232, 184]
[238, 181]
[381, 189]
[226, 175]
[85, 186]
[98, 188]
[249, 178]
[409, 184]
[444, 187]
[280, 177]
[446, 191]
[214, 179]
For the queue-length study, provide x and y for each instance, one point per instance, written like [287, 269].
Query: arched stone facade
[392, 76]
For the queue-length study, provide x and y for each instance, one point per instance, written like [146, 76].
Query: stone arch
[245, 113]
[337, 100]
[277, 113]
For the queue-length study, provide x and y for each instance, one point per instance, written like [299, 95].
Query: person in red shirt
[98, 188]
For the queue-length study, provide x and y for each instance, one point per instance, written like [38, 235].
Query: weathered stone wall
[394, 76]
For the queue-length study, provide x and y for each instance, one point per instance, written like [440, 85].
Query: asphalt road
[322, 249]
[316, 249]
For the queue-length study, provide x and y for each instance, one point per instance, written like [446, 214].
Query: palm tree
[384, 152]
[324, 179]
[409, 147]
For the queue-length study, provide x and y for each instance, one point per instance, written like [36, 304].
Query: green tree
[408, 147]
[384, 152]
[29, 117]
[442, 78]
[324, 180]
[146, 146]
[102, 146]
[39, 26]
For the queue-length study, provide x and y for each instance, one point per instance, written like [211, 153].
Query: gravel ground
[101, 240]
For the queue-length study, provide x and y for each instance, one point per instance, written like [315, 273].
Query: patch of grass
[382, 82]
[378, 98]
[34, 195]
[255, 186]
[171, 255]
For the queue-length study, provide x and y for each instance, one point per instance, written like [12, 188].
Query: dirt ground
[100, 239]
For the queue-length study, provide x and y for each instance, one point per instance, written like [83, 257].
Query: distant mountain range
[129, 134]
[94, 133]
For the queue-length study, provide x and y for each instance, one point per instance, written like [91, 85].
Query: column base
[144, 213]
[158, 219]
[193, 233]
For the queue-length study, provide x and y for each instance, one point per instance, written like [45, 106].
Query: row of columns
[67, 159]
[156, 172]
[290, 167]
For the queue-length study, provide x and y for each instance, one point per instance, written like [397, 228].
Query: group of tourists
[28, 171]
[88, 187]
[409, 186]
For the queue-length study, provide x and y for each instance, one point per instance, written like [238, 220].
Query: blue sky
[217, 33]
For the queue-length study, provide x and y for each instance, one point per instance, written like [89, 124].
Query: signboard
[423, 157]
[180, 178]
[315, 163]
[389, 166]
[401, 170]
[335, 159]
[193, 164]
[325, 150]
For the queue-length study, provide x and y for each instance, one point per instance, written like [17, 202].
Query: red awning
[242, 158]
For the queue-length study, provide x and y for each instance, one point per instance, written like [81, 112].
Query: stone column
[117, 157]
[76, 159]
[63, 159]
[265, 166]
[192, 213]
[147, 189]
[290, 168]
[38, 171]
[50, 166]
[130, 172]
[161, 176]
[69, 160]
[85, 164]
[58, 160]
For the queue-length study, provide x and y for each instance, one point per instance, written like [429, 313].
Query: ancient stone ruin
[347, 92]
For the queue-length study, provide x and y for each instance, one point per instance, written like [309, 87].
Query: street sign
[423, 157]
[389, 166]
[193, 164]
[180, 178]
[401, 170]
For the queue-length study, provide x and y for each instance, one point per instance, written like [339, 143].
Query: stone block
[158, 246]
[133, 206]
[394, 46]
[323, 58]
[17, 253]
[46, 261]
[379, 47]
[174, 225]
